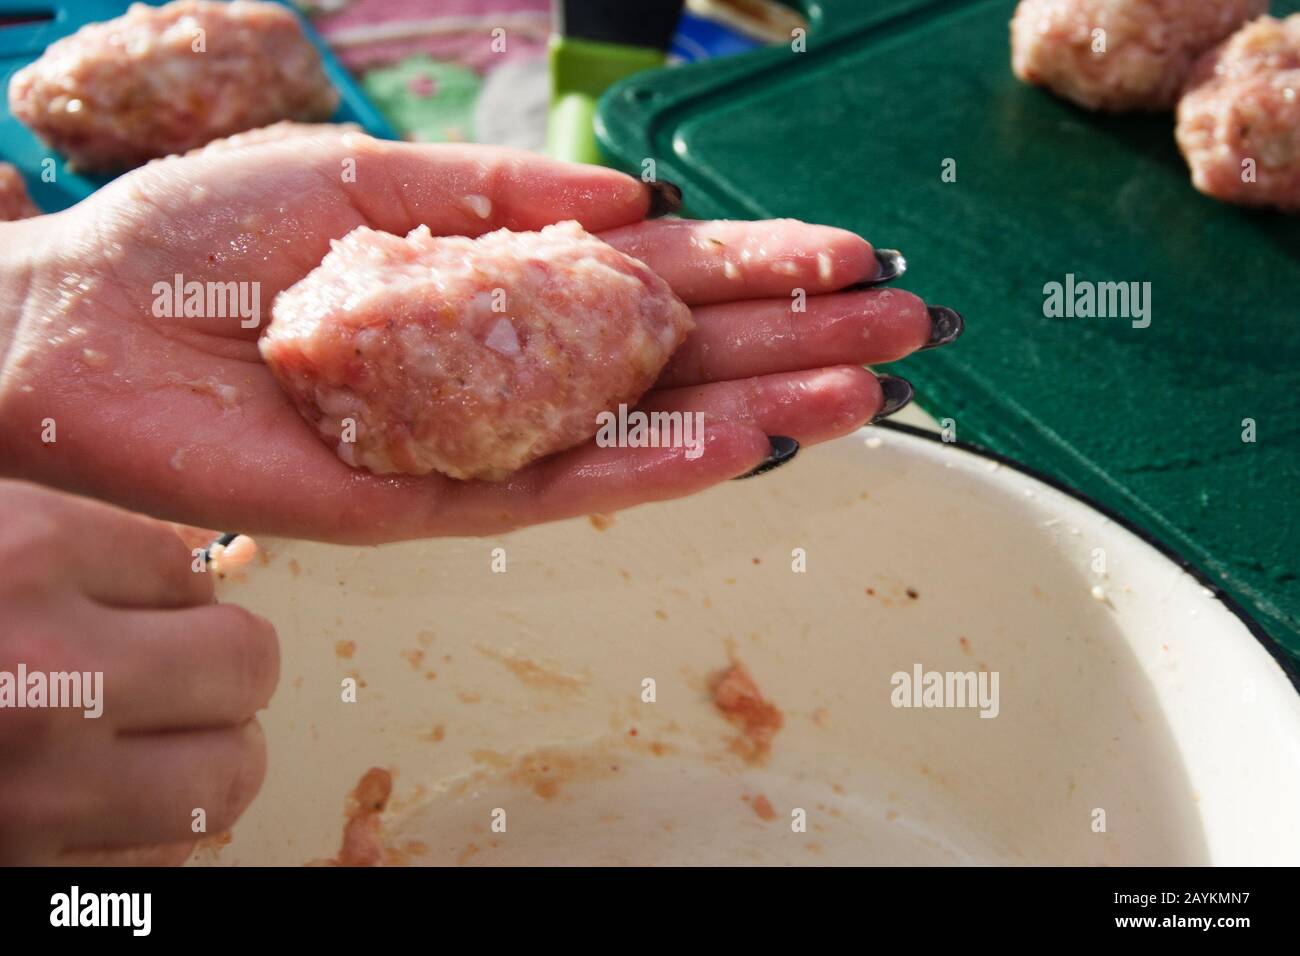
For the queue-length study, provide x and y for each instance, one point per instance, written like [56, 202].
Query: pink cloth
[367, 33]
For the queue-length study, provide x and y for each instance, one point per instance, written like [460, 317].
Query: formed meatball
[163, 80]
[1243, 103]
[1150, 46]
[472, 357]
[14, 201]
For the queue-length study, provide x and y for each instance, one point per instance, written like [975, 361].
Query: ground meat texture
[471, 357]
[117, 94]
[14, 201]
[363, 830]
[1150, 47]
[1243, 103]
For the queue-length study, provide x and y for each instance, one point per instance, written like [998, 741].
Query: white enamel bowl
[1140, 720]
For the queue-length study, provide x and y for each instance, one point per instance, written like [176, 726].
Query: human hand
[178, 416]
[88, 590]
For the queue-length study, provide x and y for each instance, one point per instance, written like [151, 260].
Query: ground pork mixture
[471, 357]
[1149, 46]
[1239, 122]
[163, 80]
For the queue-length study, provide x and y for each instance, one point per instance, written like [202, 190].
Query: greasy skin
[179, 417]
[183, 680]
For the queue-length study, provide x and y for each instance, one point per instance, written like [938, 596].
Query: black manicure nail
[223, 540]
[945, 326]
[890, 264]
[665, 197]
[783, 449]
[898, 393]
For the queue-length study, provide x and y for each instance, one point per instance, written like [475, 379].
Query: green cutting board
[855, 131]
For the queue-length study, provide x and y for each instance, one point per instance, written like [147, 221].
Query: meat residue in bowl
[363, 843]
[738, 698]
[761, 806]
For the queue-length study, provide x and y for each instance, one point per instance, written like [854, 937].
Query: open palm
[178, 417]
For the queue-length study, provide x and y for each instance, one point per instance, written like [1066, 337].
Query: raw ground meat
[1243, 102]
[14, 201]
[363, 832]
[1151, 46]
[472, 357]
[117, 94]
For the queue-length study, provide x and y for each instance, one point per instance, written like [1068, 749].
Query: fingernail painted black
[783, 449]
[890, 264]
[946, 325]
[665, 198]
[898, 394]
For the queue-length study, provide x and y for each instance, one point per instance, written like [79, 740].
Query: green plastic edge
[581, 70]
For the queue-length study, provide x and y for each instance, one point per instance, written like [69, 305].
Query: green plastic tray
[1148, 421]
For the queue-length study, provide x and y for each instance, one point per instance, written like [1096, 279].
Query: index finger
[269, 211]
[725, 261]
[468, 190]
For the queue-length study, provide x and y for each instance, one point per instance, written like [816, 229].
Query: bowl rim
[1290, 666]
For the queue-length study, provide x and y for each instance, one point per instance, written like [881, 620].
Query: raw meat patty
[14, 201]
[117, 94]
[1243, 102]
[1151, 46]
[472, 357]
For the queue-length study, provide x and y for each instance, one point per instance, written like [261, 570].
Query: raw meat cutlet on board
[1239, 122]
[1147, 50]
[163, 80]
